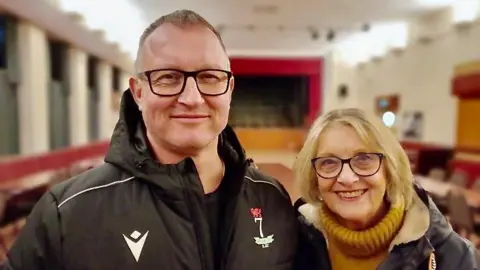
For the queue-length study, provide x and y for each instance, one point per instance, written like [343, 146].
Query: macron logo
[135, 242]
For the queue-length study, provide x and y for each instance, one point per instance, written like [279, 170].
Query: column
[124, 81]
[78, 86]
[116, 97]
[328, 83]
[337, 74]
[33, 89]
[104, 71]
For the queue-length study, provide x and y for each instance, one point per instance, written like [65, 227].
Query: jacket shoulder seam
[276, 185]
[260, 181]
[93, 188]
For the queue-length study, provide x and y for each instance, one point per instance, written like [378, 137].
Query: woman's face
[354, 190]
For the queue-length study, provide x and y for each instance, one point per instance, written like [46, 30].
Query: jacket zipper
[228, 236]
[432, 263]
[195, 228]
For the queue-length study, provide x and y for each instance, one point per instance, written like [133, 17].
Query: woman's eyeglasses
[362, 164]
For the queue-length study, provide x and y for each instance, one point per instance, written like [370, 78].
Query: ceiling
[290, 25]
[258, 25]
[299, 13]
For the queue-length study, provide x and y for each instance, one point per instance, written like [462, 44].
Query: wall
[421, 74]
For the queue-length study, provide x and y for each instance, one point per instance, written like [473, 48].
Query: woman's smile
[352, 195]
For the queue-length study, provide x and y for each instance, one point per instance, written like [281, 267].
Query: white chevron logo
[136, 243]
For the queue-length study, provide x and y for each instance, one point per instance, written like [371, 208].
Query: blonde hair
[375, 135]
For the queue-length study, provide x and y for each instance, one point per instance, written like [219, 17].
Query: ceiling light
[465, 10]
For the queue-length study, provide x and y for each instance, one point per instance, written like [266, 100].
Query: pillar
[338, 73]
[33, 89]
[104, 71]
[78, 86]
[124, 81]
[116, 98]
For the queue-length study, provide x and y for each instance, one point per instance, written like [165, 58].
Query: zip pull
[250, 162]
[432, 263]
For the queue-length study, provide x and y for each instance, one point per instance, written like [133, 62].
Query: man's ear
[232, 84]
[136, 89]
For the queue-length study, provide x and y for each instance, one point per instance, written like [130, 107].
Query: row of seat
[463, 216]
[19, 196]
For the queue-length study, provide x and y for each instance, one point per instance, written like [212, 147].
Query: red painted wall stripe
[467, 86]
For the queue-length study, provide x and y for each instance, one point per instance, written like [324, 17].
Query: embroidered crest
[263, 241]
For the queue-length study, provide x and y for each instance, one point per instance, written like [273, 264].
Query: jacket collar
[129, 149]
[418, 251]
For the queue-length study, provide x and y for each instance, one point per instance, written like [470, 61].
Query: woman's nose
[347, 175]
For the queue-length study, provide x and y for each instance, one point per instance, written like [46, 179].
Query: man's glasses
[171, 82]
[363, 164]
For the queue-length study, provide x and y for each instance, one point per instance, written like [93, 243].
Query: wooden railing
[23, 180]
[18, 167]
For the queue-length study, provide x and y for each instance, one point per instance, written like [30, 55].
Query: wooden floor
[277, 164]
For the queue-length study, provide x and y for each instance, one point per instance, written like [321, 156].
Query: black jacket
[451, 252]
[133, 206]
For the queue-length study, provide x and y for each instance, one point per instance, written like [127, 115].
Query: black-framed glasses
[362, 164]
[171, 82]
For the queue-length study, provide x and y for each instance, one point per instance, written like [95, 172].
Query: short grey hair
[179, 18]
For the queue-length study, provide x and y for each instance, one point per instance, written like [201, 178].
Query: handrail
[19, 167]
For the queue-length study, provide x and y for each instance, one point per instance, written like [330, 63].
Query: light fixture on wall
[330, 35]
[388, 118]
[342, 91]
[366, 27]
[314, 34]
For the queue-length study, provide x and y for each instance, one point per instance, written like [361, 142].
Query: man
[176, 190]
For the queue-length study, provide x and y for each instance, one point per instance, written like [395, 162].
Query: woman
[360, 208]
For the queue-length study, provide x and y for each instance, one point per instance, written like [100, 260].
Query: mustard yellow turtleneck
[366, 249]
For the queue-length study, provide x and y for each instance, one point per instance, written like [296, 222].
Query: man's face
[190, 121]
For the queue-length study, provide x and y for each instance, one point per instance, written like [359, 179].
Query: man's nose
[191, 95]
[347, 176]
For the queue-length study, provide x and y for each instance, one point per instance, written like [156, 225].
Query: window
[3, 42]
[116, 80]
